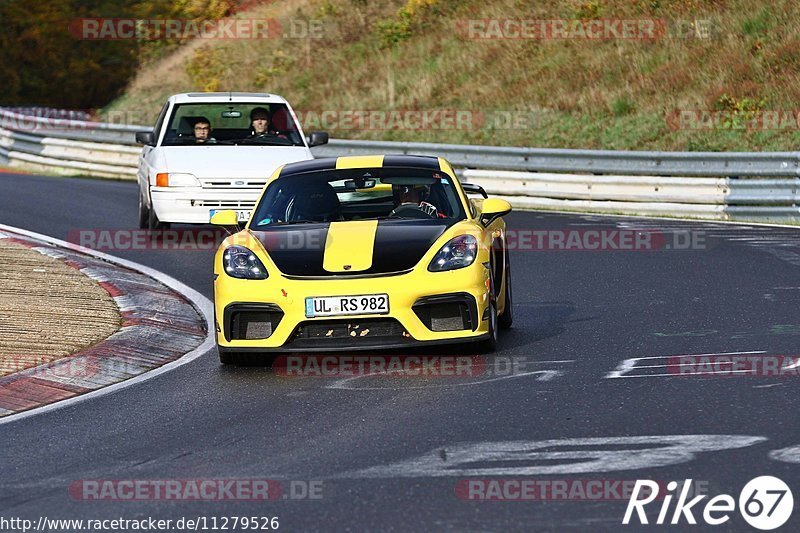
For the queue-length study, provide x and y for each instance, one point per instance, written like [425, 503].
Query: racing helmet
[399, 191]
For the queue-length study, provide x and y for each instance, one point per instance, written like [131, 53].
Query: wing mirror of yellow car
[224, 217]
[492, 209]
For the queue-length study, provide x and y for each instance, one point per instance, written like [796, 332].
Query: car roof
[363, 161]
[234, 97]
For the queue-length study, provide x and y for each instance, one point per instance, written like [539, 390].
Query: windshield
[359, 194]
[209, 124]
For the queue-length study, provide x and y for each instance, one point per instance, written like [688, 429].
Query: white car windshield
[210, 124]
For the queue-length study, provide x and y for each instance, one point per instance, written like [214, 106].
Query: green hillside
[715, 75]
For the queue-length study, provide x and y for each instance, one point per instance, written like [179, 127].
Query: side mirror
[492, 209]
[317, 138]
[146, 137]
[224, 217]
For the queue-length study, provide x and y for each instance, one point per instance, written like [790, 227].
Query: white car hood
[231, 161]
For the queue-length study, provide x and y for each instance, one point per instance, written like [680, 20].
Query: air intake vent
[251, 322]
[447, 312]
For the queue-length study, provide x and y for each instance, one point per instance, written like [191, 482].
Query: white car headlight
[176, 179]
[239, 262]
[459, 252]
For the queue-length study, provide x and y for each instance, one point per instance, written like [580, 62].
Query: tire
[490, 345]
[507, 318]
[144, 214]
[153, 224]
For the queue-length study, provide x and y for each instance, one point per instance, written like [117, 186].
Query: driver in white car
[261, 125]
[260, 122]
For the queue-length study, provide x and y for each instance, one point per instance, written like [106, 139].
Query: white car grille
[224, 204]
[233, 183]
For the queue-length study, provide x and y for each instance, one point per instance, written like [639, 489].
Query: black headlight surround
[249, 266]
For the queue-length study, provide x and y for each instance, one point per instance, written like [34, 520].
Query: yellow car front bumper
[282, 302]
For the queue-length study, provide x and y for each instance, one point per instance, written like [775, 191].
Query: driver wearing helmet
[414, 196]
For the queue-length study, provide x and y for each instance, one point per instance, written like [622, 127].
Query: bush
[409, 17]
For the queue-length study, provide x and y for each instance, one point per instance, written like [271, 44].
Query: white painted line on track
[568, 456]
[695, 355]
[627, 365]
[792, 366]
[704, 373]
[202, 304]
[343, 384]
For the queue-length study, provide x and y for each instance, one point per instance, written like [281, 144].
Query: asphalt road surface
[582, 389]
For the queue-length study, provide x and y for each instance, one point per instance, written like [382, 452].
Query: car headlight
[176, 179]
[239, 262]
[460, 252]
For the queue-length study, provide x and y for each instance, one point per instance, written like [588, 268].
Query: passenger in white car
[202, 131]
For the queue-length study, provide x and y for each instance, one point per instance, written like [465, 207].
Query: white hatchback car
[214, 151]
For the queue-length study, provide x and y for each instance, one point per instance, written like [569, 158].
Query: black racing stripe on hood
[399, 245]
[297, 250]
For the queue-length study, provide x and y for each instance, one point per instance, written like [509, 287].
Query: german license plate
[365, 304]
[242, 215]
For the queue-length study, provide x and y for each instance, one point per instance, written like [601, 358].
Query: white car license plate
[365, 304]
[241, 215]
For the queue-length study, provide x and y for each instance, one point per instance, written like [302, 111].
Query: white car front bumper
[193, 205]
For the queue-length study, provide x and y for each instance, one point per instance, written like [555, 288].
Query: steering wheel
[409, 211]
[271, 137]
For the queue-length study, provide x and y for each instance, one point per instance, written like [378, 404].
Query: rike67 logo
[765, 503]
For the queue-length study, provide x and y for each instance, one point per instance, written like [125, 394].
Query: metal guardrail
[767, 199]
[757, 164]
[714, 185]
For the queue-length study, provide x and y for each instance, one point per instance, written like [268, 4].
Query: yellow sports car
[356, 253]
